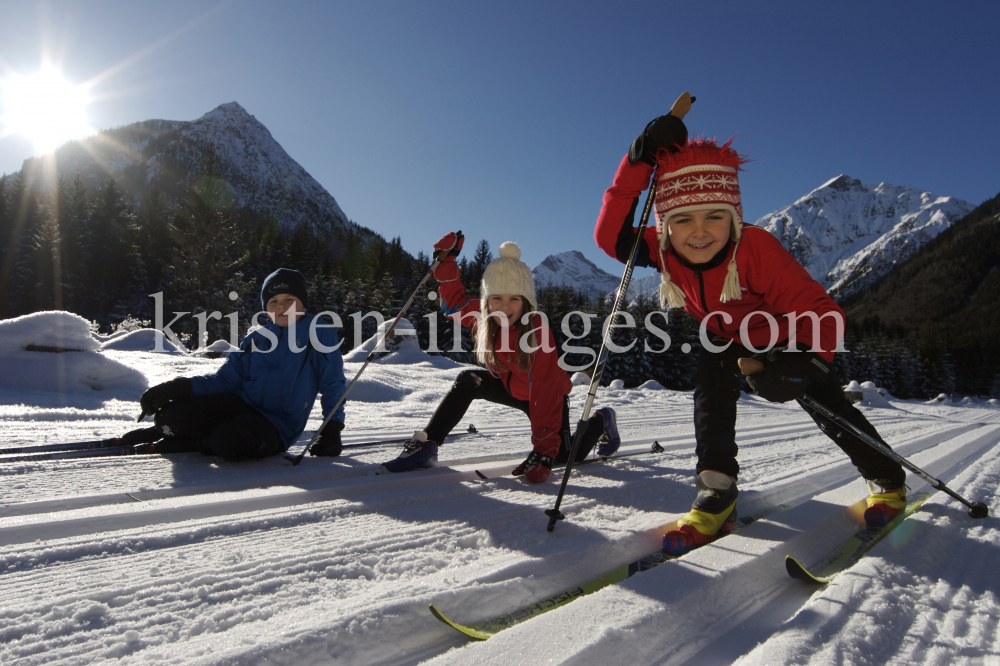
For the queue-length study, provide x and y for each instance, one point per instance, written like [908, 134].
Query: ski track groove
[329, 570]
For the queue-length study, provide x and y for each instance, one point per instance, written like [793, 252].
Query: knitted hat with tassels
[700, 175]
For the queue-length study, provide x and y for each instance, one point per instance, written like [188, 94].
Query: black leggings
[717, 388]
[221, 424]
[481, 385]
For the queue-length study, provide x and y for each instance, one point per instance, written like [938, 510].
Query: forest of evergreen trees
[100, 255]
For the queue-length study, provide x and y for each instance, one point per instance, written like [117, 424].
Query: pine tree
[155, 243]
[28, 220]
[109, 240]
[477, 267]
[6, 245]
[46, 246]
[72, 213]
[209, 258]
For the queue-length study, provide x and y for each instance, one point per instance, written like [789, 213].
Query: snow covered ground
[185, 559]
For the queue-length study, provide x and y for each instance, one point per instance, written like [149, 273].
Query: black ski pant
[481, 385]
[717, 385]
[221, 424]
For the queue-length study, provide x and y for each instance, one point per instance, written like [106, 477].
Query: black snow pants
[481, 385]
[717, 385]
[221, 424]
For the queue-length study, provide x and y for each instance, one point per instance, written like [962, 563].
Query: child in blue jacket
[258, 402]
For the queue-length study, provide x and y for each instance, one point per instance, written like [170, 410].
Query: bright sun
[44, 108]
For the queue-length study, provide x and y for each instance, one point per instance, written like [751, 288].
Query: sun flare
[44, 108]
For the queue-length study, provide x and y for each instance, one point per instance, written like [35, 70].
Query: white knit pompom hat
[509, 275]
[699, 175]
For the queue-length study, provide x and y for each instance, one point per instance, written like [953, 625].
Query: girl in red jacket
[753, 299]
[519, 372]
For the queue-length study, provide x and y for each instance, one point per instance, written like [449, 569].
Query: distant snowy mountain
[572, 269]
[648, 286]
[847, 235]
[165, 154]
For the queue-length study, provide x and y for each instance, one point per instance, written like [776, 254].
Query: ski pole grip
[750, 366]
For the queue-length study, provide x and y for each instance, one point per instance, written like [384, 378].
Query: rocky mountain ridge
[166, 155]
[847, 235]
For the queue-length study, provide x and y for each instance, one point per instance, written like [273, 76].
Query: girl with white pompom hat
[518, 371]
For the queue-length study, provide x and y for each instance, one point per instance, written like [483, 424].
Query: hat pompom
[510, 250]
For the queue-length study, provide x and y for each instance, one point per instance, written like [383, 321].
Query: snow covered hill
[847, 235]
[164, 154]
[186, 559]
[572, 269]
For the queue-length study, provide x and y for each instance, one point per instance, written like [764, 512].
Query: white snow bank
[617, 384]
[580, 379]
[653, 385]
[401, 347]
[870, 395]
[55, 330]
[77, 372]
[144, 340]
[372, 390]
[216, 349]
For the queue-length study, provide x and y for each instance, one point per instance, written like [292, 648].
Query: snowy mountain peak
[572, 269]
[847, 234]
[166, 154]
[229, 115]
[842, 183]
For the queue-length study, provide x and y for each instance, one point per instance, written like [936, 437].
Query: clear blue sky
[507, 120]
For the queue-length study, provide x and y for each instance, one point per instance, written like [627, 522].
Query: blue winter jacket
[279, 383]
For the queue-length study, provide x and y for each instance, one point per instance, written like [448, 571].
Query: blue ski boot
[609, 442]
[419, 453]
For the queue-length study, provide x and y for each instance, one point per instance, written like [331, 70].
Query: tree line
[100, 254]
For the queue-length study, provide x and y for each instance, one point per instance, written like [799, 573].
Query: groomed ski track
[201, 572]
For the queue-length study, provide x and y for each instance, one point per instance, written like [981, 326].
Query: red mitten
[538, 473]
[536, 468]
[449, 245]
[447, 271]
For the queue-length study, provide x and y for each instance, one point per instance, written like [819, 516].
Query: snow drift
[31, 362]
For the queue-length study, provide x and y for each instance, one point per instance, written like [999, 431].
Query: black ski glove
[788, 375]
[159, 396]
[329, 443]
[664, 133]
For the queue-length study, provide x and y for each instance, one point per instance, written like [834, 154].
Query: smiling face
[511, 305]
[281, 304]
[698, 235]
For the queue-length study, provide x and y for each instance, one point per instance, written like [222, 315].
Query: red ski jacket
[544, 387]
[771, 280]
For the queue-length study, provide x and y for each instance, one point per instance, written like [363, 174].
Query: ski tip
[482, 476]
[799, 572]
[468, 631]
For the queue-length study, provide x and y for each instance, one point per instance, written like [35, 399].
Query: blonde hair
[487, 331]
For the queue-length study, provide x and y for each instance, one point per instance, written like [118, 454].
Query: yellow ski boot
[712, 514]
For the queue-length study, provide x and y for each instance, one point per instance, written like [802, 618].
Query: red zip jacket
[771, 280]
[544, 387]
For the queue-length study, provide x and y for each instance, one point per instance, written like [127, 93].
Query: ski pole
[750, 366]
[438, 258]
[554, 513]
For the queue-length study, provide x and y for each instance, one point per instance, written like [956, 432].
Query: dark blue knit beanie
[284, 281]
